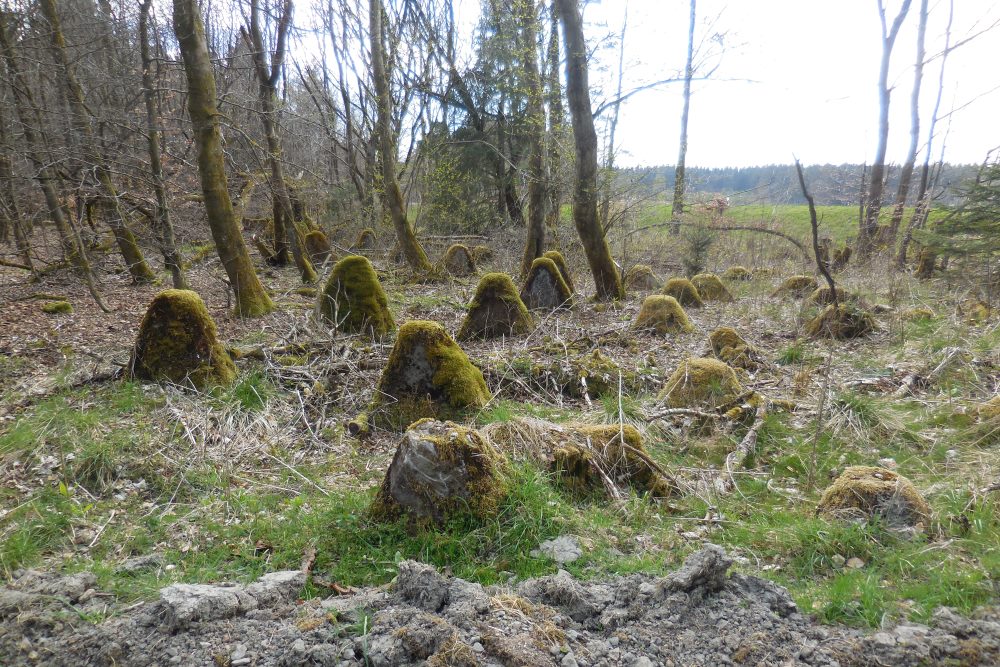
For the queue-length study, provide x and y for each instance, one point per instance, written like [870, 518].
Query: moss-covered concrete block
[458, 261]
[427, 375]
[702, 382]
[662, 315]
[711, 288]
[863, 492]
[684, 291]
[496, 310]
[737, 273]
[841, 322]
[545, 287]
[560, 261]
[796, 287]
[353, 299]
[178, 342]
[728, 346]
[640, 278]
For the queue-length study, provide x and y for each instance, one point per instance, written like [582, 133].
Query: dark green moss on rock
[178, 342]
[353, 299]
[496, 310]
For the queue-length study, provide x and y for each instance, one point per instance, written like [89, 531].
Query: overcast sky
[798, 77]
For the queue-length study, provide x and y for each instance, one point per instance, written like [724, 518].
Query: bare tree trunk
[606, 279]
[677, 208]
[8, 199]
[168, 247]
[267, 81]
[535, 243]
[134, 259]
[609, 157]
[27, 112]
[911, 155]
[407, 240]
[251, 299]
[866, 234]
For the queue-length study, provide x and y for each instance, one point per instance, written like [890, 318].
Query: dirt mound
[699, 614]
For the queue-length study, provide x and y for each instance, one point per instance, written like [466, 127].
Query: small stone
[563, 549]
[569, 661]
[855, 563]
[883, 638]
[643, 662]
[239, 651]
[838, 560]
[478, 648]
[298, 646]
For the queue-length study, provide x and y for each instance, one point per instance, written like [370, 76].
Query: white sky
[814, 66]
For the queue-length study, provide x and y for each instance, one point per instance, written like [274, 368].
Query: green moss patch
[684, 291]
[702, 383]
[662, 315]
[863, 492]
[560, 261]
[57, 307]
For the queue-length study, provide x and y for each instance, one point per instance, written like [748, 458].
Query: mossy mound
[592, 373]
[496, 310]
[482, 253]
[796, 287]
[545, 287]
[737, 274]
[440, 470]
[864, 492]
[663, 315]
[926, 263]
[609, 452]
[178, 342]
[560, 262]
[841, 322]
[702, 382]
[318, 246]
[918, 314]
[841, 257]
[57, 307]
[730, 347]
[823, 296]
[710, 288]
[640, 278]
[353, 300]
[990, 409]
[684, 291]
[458, 261]
[365, 240]
[974, 311]
[427, 375]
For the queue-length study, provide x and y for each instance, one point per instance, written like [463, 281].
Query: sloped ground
[697, 615]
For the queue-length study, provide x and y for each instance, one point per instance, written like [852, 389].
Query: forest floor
[145, 485]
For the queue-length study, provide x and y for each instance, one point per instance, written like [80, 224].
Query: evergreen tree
[973, 226]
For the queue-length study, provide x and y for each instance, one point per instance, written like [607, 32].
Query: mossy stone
[365, 240]
[178, 342]
[618, 452]
[440, 470]
[427, 375]
[353, 299]
[711, 288]
[796, 287]
[841, 257]
[663, 315]
[990, 409]
[926, 262]
[737, 273]
[702, 382]
[684, 291]
[841, 322]
[730, 347]
[482, 253]
[640, 278]
[823, 296]
[545, 287]
[864, 492]
[458, 261]
[57, 307]
[496, 310]
[560, 262]
[318, 246]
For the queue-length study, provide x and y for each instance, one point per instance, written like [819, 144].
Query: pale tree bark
[393, 195]
[286, 229]
[161, 215]
[677, 208]
[251, 299]
[554, 95]
[8, 200]
[585, 195]
[911, 154]
[80, 120]
[609, 157]
[27, 113]
[876, 181]
[535, 243]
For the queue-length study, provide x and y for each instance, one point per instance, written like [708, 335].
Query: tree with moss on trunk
[413, 253]
[585, 192]
[286, 230]
[80, 120]
[251, 299]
